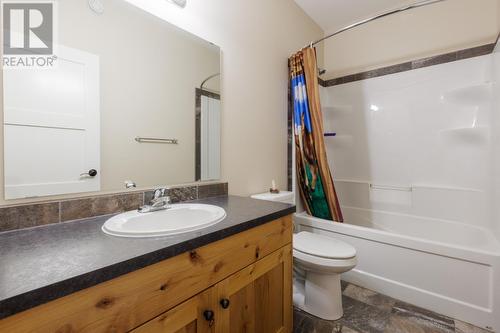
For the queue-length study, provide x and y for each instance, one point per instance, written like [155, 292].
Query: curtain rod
[208, 78]
[373, 18]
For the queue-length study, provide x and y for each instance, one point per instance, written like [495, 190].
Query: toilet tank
[282, 196]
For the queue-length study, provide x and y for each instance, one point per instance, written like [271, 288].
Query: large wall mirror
[131, 99]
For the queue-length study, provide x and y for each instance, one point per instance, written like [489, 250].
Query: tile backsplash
[37, 214]
[411, 65]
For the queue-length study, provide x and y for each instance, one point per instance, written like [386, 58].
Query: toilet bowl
[318, 263]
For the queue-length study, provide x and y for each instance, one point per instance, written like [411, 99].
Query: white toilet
[318, 263]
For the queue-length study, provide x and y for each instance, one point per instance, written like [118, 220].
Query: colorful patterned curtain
[314, 179]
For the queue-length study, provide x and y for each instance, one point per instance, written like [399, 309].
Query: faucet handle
[160, 192]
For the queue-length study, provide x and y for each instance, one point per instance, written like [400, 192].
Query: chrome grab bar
[156, 140]
[391, 188]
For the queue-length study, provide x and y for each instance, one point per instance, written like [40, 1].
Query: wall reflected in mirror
[120, 76]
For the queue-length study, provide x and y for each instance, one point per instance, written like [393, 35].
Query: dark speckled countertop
[42, 264]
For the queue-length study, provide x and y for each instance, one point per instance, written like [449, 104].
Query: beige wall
[149, 70]
[256, 38]
[421, 32]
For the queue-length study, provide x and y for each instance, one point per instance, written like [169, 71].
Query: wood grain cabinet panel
[189, 317]
[258, 299]
[252, 269]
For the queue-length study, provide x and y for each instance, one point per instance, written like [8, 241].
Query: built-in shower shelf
[470, 95]
[472, 133]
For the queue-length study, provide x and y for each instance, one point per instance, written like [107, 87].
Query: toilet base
[319, 295]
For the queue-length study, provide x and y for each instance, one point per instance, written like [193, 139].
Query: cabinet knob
[209, 315]
[224, 303]
[90, 173]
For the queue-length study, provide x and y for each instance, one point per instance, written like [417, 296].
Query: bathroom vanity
[117, 116]
[232, 277]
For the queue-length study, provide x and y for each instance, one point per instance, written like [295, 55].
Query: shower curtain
[314, 179]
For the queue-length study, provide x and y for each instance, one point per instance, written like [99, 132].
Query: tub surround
[371, 74]
[414, 160]
[50, 212]
[49, 262]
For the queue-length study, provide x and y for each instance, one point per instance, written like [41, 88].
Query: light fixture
[180, 3]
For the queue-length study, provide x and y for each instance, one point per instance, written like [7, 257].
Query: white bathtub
[448, 267]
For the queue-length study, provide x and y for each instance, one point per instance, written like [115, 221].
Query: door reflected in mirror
[131, 99]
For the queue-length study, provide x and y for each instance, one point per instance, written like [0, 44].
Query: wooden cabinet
[256, 299]
[192, 316]
[239, 284]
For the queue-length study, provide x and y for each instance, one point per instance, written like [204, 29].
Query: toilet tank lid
[282, 195]
[322, 246]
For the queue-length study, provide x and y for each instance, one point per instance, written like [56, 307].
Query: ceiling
[335, 14]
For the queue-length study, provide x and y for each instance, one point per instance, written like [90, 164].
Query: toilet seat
[322, 246]
[324, 265]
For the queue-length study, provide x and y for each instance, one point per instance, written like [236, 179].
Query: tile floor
[366, 311]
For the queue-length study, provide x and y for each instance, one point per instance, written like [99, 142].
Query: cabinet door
[193, 316]
[258, 299]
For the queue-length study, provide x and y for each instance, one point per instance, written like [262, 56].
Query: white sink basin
[178, 219]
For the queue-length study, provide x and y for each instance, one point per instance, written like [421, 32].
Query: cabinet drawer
[126, 302]
[187, 317]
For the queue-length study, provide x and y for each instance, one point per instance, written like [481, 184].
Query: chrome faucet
[160, 201]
